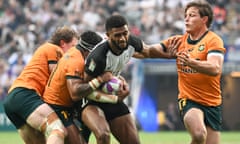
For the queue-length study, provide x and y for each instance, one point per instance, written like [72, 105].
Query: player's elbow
[216, 71]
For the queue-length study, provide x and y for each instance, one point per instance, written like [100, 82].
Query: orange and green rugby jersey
[197, 86]
[71, 65]
[36, 73]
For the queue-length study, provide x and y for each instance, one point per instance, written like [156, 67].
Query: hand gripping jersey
[102, 58]
[197, 86]
[36, 73]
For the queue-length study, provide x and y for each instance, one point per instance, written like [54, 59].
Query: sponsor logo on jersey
[92, 65]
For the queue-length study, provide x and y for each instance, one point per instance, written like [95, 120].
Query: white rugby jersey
[102, 58]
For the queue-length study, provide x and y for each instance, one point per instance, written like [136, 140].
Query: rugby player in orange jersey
[24, 105]
[200, 59]
[67, 86]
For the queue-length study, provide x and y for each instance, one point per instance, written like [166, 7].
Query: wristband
[95, 83]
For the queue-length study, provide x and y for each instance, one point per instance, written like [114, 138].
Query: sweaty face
[118, 38]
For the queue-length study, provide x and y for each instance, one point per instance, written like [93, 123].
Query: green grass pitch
[161, 137]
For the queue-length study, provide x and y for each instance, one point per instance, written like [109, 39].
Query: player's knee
[103, 136]
[54, 127]
[199, 136]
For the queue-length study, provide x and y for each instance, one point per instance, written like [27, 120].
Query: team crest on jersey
[92, 65]
[201, 47]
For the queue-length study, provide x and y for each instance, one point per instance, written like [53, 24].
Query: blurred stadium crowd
[25, 24]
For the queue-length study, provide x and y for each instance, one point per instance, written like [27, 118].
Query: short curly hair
[115, 21]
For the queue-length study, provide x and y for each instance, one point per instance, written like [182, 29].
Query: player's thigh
[94, 118]
[66, 115]
[20, 104]
[31, 135]
[39, 115]
[213, 136]
[194, 120]
[74, 136]
[124, 129]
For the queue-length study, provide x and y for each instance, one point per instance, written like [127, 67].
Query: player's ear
[62, 42]
[205, 19]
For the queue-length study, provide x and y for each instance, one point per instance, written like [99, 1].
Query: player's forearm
[80, 89]
[158, 52]
[102, 97]
[155, 51]
[205, 67]
[89, 87]
[83, 90]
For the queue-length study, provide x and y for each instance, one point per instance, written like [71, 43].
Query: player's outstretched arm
[159, 51]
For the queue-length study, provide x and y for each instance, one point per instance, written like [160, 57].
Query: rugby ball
[112, 86]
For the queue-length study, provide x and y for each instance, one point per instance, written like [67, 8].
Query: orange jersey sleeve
[36, 73]
[193, 85]
[71, 65]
